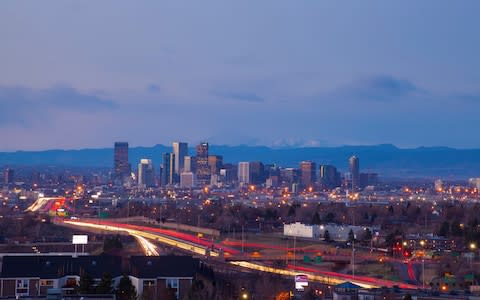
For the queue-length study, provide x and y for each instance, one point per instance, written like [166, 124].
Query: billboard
[80, 239]
[301, 281]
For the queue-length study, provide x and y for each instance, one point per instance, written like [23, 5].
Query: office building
[257, 172]
[329, 177]
[244, 172]
[122, 168]
[354, 165]
[187, 180]
[215, 163]
[8, 176]
[190, 164]
[146, 175]
[308, 174]
[203, 169]
[180, 150]
[368, 179]
[288, 176]
[168, 173]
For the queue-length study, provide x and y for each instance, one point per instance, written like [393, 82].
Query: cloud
[23, 106]
[240, 96]
[153, 88]
[380, 88]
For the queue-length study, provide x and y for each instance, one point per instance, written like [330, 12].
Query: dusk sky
[83, 74]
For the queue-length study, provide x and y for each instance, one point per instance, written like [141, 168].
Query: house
[159, 275]
[33, 275]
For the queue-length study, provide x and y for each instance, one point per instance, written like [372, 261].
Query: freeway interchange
[224, 252]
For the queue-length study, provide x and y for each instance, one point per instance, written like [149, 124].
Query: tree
[330, 217]
[444, 229]
[105, 286]
[351, 236]
[111, 243]
[125, 289]
[367, 235]
[85, 286]
[316, 219]
[326, 236]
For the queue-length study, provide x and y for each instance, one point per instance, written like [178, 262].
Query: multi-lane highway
[199, 246]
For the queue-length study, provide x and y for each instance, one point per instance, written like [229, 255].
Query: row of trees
[124, 291]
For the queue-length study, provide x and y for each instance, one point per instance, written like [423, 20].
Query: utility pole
[294, 251]
[353, 257]
[243, 238]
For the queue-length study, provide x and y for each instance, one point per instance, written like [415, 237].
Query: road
[203, 247]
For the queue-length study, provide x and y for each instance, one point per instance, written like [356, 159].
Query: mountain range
[387, 160]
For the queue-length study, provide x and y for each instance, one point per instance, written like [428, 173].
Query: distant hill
[387, 160]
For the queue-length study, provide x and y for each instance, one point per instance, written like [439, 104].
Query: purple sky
[78, 74]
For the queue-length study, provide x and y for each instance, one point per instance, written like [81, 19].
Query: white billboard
[301, 281]
[80, 239]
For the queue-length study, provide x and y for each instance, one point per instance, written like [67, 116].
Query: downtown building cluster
[182, 169]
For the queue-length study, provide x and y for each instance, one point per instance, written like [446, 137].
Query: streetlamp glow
[473, 246]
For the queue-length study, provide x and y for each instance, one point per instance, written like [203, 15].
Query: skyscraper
[354, 165]
[257, 172]
[8, 176]
[203, 169]
[120, 161]
[180, 150]
[189, 164]
[244, 172]
[168, 173]
[308, 173]
[215, 163]
[146, 177]
[329, 176]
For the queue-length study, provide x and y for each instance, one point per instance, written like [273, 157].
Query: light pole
[422, 243]
[472, 247]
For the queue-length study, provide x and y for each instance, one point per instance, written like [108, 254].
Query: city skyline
[329, 67]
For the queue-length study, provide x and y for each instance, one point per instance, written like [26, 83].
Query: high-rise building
[190, 164]
[187, 180]
[180, 150]
[308, 173]
[203, 169]
[146, 175]
[244, 172]
[257, 172]
[8, 176]
[368, 179]
[354, 165]
[329, 176]
[215, 163]
[289, 176]
[168, 173]
[122, 168]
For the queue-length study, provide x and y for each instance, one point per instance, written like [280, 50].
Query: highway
[195, 245]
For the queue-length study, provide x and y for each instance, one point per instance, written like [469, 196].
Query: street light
[422, 243]
[473, 246]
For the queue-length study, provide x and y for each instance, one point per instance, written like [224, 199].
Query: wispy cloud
[22, 106]
[380, 88]
[240, 96]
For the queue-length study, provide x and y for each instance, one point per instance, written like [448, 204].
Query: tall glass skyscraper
[120, 161]
[203, 169]
[180, 150]
[354, 164]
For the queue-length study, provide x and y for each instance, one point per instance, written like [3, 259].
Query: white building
[244, 172]
[301, 230]
[336, 232]
[146, 176]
